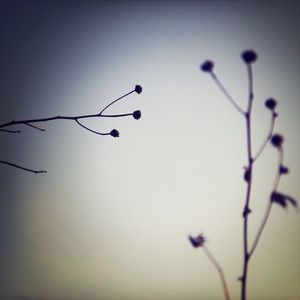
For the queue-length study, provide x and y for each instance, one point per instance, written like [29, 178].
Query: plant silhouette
[30, 122]
[277, 141]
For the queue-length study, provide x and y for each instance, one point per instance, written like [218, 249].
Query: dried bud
[247, 175]
[138, 89]
[277, 140]
[249, 56]
[207, 66]
[246, 212]
[283, 170]
[197, 241]
[137, 114]
[283, 200]
[270, 103]
[115, 133]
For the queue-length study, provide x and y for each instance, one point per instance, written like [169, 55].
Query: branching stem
[30, 122]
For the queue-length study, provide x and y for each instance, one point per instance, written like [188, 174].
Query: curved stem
[113, 102]
[268, 209]
[10, 131]
[227, 95]
[220, 271]
[93, 131]
[22, 168]
[268, 137]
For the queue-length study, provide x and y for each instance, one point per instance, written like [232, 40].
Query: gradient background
[111, 217]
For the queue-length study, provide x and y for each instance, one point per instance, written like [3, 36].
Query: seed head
[197, 241]
[277, 140]
[137, 114]
[249, 56]
[138, 89]
[270, 103]
[115, 133]
[207, 66]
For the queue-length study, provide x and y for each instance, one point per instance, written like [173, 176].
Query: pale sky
[110, 219]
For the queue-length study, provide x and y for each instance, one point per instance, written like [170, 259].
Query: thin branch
[22, 168]
[96, 132]
[225, 92]
[35, 127]
[74, 118]
[268, 209]
[110, 104]
[116, 116]
[220, 271]
[268, 137]
[10, 131]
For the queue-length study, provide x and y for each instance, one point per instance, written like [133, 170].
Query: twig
[73, 118]
[96, 132]
[227, 95]
[22, 168]
[268, 137]
[118, 99]
[114, 132]
[33, 126]
[220, 271]
[10, 131]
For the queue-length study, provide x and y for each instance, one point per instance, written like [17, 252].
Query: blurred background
[111, 217]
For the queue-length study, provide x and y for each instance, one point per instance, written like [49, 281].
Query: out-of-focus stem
[268, 137]
[220, 271]
[227, 95]
[247, 210]
[268, 209]
[22, 168]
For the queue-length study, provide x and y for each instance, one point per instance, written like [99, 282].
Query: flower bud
[207, 66]
[197, 241]
[137, 114]
[138, 89]
[249, 56]
[115, 133]
[283, 170]
[277, 140]
[247, 175]
[270, 103]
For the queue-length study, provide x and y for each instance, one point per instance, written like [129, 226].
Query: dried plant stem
[269, 207]
[71, 118]
[268, 137]
[116, 100]
[247, 210]
[220, 271]
[30, 122]
[227, 95]
[22, 168]
[10, 131]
